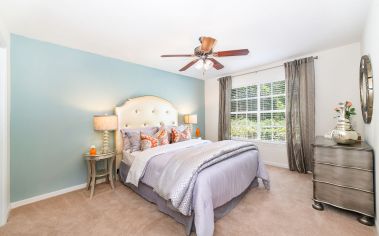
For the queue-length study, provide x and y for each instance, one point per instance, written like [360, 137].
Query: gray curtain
[225, 87]
[300, 113]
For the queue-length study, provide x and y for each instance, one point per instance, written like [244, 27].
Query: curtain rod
[269, 68]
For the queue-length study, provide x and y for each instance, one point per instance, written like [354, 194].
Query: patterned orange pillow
[148, 141]
[162, 136]
[159, 138]
[178, 136]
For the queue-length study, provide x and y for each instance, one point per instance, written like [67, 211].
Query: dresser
[343, 177]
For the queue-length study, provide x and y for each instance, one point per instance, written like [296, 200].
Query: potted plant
[344, 133]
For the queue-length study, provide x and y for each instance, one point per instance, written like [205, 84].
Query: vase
[343, 133]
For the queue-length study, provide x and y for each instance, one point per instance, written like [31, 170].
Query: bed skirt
[147, 193]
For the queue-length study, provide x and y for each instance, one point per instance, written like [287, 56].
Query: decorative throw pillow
[162, 136]
[168, 128]
[151, 141]
[178, 136]
[125, 140]
[148, 141]
[134, 136]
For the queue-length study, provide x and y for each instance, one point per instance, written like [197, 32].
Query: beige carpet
[285, 210]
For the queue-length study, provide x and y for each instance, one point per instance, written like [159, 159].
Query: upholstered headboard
[142, 112]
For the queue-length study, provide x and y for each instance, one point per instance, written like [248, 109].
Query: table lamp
[105, 123]
[189, 120]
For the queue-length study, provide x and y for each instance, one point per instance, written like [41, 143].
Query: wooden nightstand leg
[88, 174]
[107, 168]
[110, 172]
[93, 178]
[115, 169]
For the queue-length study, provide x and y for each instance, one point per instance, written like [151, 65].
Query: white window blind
[258, 112]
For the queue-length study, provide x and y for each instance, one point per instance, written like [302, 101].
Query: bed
[195, 181]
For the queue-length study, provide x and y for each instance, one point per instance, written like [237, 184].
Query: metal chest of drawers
[343, 177]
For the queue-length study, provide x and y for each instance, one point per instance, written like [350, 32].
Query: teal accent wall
[55, 91]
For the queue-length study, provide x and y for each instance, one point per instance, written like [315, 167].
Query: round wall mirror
[366, 88]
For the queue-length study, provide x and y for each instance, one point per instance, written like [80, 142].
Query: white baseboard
[47, 195]
[51, 194]
[81, 186]
[276, 164]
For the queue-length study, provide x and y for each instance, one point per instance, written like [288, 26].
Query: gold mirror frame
[366, 88]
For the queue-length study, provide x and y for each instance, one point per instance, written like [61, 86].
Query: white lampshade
[190, 119]
[105, 122]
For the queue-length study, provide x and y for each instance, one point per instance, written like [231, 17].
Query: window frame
[259, 112]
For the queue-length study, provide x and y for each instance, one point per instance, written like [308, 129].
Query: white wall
[370, 46]
[4, 122]
[337, 79]
[337, 72]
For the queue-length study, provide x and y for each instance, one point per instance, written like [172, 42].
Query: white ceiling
[140, 31]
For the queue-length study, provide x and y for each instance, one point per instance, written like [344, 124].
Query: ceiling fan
[205, 55]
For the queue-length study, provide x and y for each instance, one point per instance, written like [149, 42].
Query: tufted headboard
[142, 112]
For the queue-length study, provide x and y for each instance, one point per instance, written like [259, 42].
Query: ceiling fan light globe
[199, 64]
[208, 64]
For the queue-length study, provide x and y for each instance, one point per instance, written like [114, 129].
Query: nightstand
[93, 173]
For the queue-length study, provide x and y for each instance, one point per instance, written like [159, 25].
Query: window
[258, 112]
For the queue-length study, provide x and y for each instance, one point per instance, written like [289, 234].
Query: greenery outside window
[258, 112]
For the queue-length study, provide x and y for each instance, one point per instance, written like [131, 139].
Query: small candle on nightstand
[198, 133]
[92, 150]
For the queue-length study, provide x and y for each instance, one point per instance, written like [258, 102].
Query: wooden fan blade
[239, 52]
[189, 65]
[217, 65]
[207, 44]
[178, 55]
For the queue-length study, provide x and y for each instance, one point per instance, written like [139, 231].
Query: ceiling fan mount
[205, 54]
[198, 52]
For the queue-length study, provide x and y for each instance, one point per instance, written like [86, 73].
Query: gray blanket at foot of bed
[178, 178]
[147, 193]
[215, 186]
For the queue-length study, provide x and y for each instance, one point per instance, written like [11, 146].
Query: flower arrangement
[345, 110]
